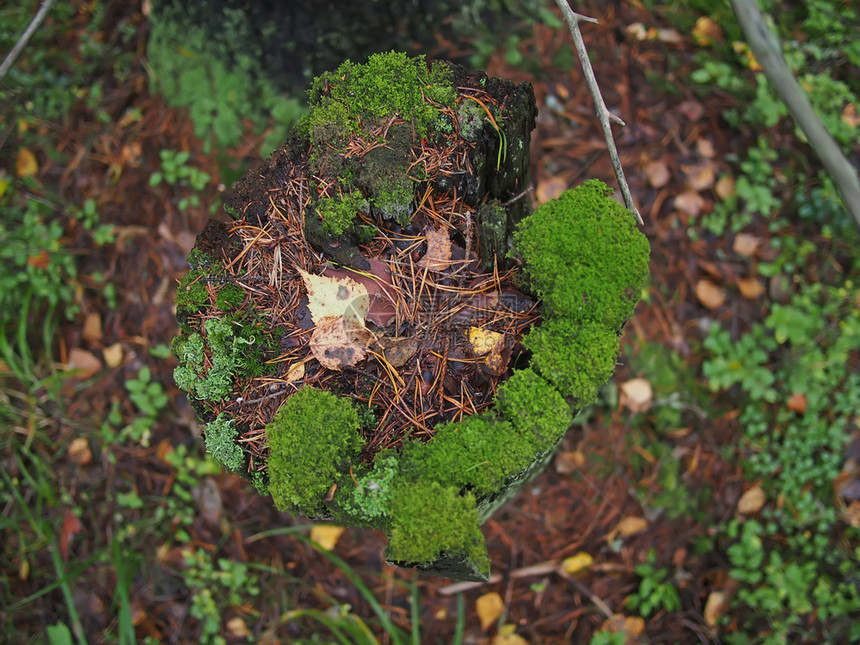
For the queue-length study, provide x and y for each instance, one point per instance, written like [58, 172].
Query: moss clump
[192, 294]
[479, 453]
[431, 520]
[393, 199]
[313, 438]
[584, 256]
[229, 297]
[389, 83]
[576, 358]
[534, 407]
[368, 498]
[220, 437]
[338, 214]
[472, 118]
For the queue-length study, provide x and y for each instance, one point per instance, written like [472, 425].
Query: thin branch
[603, 114]
[12, 56]
[768, 52]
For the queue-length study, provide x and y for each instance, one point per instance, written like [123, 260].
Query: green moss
[199, 259]
[369, 501]
[393, 199]
[480, 453]
[389, 83]
[431, 520]
[313, 438]
[584, 256]
[229, 296]
[338, 214]
[576, 358]
[192, 293]
[534, 407]
[220, 437]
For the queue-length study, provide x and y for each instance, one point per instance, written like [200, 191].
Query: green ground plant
[656, 590]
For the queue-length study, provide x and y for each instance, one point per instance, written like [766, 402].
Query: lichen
[471, 118]
[312, 439]
[220, 437]
[584, 256]
[431, 520]
[576, 358]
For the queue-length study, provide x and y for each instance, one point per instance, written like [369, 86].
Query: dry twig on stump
[603, 114]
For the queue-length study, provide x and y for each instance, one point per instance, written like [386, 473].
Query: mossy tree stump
[385, 336]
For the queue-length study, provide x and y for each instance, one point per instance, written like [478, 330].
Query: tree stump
[385, 336]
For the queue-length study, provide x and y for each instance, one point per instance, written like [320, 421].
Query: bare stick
[12, 56]
[603, 114]
[768, 52]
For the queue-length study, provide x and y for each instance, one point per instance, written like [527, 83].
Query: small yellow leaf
[24, 569]
[745, 244]
[113, 355]
[507, 636]
[79, 451]
[706, 31]
[295, 372]
[489, 608]
[751, 288]
[850, 116]
[751, 501]
[483, 340]
[25, 163]
[628, 526]
[709, 294]
[92, 330]
[715, 607]
[657, 173]
[689, 202]
[725, 187]
[84, 363]
[238, 628]
[576, 563]
[326, 535]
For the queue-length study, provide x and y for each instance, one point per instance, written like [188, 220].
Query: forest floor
[655, 466]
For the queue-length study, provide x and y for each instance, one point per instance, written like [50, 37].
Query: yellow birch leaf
[751, 501]
[326, 535]
[576, 563]
[483, 340]
[25, 163]
[329, 297]
[489, 608]
[339, 341]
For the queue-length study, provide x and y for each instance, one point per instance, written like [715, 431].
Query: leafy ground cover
[710, 495]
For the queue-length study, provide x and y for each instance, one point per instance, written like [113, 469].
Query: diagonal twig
[25, 38]
[603, 114]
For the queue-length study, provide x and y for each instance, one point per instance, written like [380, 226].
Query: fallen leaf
[383, 297]
[709, 294]
[326, 535]
[631, 626]
[92, 330]
[79, 451]
[40, 260]
[335, 297]
[568, 461]
[751, 501]
[725, 187]
[706, 31]
[83, 363]
[745, 244]
[339, 342]
[628, 526]
[398, 350]
[705, 148]
[699, 176]
[507, 636]
[438, 256]
[743, 50]
[637, 30]
[238, 628]
[689, 202]
[751, 288]
[489, 608]
[715, 607]
[638, 393]
[25, 163]
[668, 36]
[850, 116]
[852, 514]
[576, 563]
[551, 188]
[71, 527]
[484, 341]
[24, 569]
[657, 173]
[113, 355]
[295, 372]
[693, 110]
[797, 403]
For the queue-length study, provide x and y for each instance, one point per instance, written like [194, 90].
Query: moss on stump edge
[319, 453]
